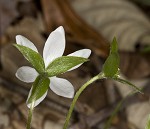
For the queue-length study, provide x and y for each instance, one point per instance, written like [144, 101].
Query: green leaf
[111, 65]
[148, 123]
[128, 83]
[62, 64]
[40, 86]
[33, 57]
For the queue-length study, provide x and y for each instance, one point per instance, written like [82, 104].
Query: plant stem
[116, 110]
[99, 76]
[30, 116]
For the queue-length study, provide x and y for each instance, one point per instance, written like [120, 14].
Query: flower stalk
[30, 115]
[78, 93]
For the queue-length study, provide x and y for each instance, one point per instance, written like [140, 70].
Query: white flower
[54, 48]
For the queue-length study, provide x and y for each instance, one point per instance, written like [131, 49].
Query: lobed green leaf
[39, 88]
[63, 64]
[33, 57]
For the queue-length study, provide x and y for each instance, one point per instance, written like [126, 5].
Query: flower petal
[61, 87]
[26, 74]
[21, 40]
[85, 53]
[54, 46]
[37, 101]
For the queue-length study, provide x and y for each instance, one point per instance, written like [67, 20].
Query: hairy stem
[99, 76]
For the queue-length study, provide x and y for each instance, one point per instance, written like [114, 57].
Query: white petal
[85, 53]
[26, 74]
[54, 46]
[61, 87]
[37, 101]
[21, 40]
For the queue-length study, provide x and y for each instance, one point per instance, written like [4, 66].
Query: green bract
[63, 64]
[40, 87]
[33, 57]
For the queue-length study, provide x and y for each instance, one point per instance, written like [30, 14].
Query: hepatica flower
[44, 71]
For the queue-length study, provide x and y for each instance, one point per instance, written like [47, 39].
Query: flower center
[44, 74]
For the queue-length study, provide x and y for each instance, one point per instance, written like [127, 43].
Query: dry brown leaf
[120, 18]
